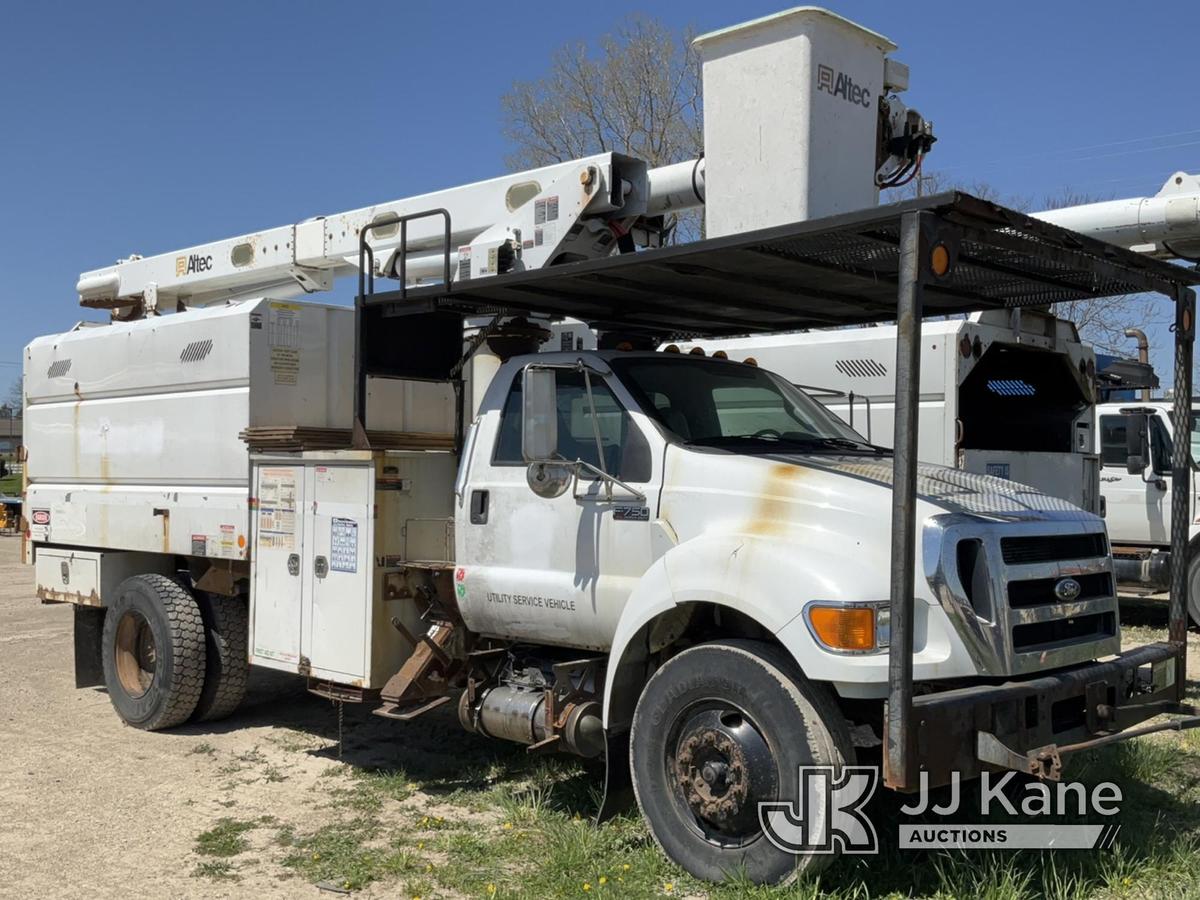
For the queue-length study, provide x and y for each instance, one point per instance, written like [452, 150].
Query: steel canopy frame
[949, 253]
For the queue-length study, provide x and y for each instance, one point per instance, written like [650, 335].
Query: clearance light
[939, 260]
[857, 629]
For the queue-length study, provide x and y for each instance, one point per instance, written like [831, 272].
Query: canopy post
[915, 228]
[1181, 478]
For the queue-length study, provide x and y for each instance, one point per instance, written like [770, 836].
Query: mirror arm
[609, 480]
[587, 384]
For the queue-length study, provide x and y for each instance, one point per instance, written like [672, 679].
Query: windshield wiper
[848, 444]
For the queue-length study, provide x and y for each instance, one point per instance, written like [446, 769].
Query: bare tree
[16, 394]
[1103, 322]
[637, 92]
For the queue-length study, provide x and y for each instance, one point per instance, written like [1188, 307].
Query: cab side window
[1113, 450]
[626, 453]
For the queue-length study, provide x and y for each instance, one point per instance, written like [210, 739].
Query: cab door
[1138, 506]
[558, 570]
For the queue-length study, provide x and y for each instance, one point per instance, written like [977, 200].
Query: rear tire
[153, 652]
[226, 666]
[739, 709]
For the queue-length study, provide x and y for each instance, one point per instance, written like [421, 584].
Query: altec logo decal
[190, 265]
[842, 85]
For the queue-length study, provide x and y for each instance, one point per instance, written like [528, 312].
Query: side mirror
[539, 415]
[1137, 443]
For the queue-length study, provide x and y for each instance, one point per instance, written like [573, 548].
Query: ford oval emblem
[1067, 589]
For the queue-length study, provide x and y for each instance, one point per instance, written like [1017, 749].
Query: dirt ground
[90, 806]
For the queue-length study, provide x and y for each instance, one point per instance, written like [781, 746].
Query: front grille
[1040, 591]
[1057, 632]
[1019, 551]
[996, 582]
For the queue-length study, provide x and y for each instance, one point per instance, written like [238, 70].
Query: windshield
[717, 403]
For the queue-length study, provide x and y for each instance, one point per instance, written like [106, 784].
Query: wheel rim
[720, 767]
[136, 654]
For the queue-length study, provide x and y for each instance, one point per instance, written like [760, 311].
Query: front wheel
[153, 652]
[718, 730]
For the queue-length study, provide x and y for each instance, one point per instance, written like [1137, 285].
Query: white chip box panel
[131, 429]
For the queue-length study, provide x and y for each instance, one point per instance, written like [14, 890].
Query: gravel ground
[91, 806]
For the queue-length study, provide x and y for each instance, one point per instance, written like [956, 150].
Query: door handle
[294, 564]
[479, 507]
[320, 567]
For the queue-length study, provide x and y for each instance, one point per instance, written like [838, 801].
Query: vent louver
[861, 368]
[196, 351]
[58, 368]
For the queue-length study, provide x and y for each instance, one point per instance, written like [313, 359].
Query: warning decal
[343, 546]
[277, 509]
[283, 337]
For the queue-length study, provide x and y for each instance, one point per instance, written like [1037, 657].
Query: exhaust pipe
[1153, 570]
[513, 713]
[1143, 353]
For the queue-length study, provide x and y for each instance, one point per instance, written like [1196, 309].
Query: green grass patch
[348, 854]
[226, 838]
[215, 870]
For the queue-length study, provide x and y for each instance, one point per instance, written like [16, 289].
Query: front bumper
[1027, 725]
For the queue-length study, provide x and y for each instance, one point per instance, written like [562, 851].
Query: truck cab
[617, 501]
[1135, 443]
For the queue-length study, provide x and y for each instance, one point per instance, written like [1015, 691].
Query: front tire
[153, 652]
[719, 729]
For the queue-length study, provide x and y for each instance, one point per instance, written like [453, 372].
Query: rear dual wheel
[171, 656]
[153, 651]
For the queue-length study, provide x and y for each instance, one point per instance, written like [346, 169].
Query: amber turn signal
[844, 627]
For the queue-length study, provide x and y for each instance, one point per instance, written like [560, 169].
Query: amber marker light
[844, 627]
[939, 260]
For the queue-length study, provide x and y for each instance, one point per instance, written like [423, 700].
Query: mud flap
[89, 667]
[618, 783]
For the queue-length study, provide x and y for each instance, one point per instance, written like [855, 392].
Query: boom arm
[567, 211]
[1166, 226]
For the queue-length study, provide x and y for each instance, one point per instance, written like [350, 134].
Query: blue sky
[128, 127]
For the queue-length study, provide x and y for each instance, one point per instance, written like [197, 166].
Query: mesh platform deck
[841, 270]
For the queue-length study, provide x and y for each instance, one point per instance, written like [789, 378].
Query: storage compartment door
[339, 564]
[275, 603]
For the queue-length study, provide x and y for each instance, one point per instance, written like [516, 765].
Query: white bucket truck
[1007, 395]
[684, 564]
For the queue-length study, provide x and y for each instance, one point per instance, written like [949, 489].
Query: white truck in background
[679, 562]
[1135, 441]
[1010, 395]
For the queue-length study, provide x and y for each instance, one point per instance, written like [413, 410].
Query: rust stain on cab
[775, 501]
